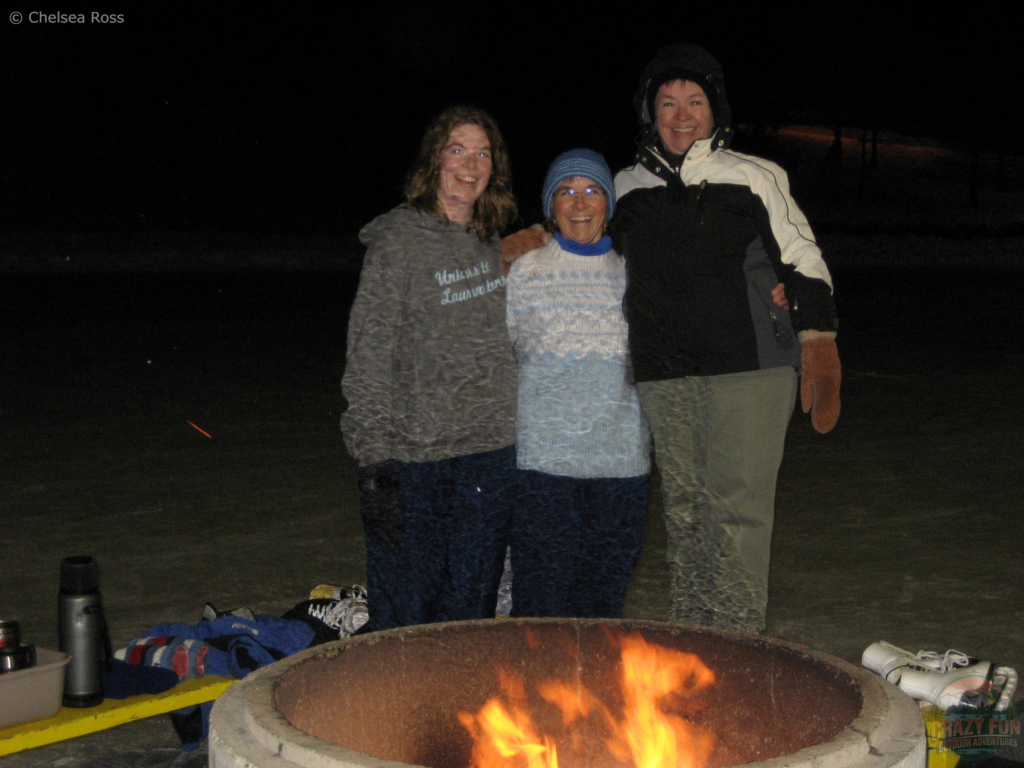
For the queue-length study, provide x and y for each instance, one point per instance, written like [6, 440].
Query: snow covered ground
[903, 524]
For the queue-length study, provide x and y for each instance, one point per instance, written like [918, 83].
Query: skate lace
[355, 592]
[948, 661]
[343, 614]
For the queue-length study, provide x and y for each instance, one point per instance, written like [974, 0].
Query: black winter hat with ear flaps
[685, 61]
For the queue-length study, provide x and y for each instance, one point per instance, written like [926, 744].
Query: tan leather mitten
[819, 382]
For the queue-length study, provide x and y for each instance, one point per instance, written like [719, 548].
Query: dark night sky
[306, 121]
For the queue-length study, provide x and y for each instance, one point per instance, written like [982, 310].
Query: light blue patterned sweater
[578, 415]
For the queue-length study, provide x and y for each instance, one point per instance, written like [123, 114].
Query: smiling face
[683, 115]
[465, 171]
[580, 208]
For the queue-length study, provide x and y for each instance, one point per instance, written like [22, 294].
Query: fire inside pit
[636, 727]
[420, 695]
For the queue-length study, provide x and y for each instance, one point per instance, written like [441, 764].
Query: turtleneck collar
[599, 248]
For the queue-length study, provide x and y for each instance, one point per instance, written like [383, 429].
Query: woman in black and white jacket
[707, 233]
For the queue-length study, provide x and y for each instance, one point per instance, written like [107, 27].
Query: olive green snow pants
[718, 444]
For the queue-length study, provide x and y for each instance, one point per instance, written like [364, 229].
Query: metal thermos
[81, 629]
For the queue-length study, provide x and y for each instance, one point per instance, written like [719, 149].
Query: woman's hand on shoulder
[518, 243]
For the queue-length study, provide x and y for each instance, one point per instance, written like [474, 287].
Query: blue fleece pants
[575, 542]
[455, 516]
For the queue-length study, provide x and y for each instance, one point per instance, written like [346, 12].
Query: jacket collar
[651, 159]
[656, 162]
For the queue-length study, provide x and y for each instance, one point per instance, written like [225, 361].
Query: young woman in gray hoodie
[430, 381]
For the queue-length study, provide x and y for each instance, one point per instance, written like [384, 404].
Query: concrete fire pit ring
[395, 694]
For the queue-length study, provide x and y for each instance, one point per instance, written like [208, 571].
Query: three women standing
[706, 233]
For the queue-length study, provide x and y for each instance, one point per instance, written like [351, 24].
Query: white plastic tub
[34, 693]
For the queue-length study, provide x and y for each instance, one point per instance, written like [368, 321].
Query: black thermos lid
[79, 575]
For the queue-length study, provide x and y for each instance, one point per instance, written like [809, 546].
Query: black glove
[381, 504]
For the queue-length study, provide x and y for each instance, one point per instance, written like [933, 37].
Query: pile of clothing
[230, 643]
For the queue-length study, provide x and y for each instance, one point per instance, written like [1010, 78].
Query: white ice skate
[888, 660]
[950, 679]
[349, 614]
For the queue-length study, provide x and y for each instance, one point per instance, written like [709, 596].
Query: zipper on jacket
[783, 337]
[700, 202]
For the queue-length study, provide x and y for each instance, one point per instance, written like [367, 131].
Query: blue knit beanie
[578, 162]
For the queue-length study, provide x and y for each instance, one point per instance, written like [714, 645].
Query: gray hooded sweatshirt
[429, 372]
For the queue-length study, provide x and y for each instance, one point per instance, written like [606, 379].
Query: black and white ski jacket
[704, 246]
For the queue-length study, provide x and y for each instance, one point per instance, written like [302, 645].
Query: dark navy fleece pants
[456, 515]
[575, 542]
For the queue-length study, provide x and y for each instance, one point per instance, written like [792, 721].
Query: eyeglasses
[568, 193]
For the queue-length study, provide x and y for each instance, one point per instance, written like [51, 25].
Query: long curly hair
[495, 209]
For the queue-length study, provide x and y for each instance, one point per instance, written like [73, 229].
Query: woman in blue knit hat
[581, 438]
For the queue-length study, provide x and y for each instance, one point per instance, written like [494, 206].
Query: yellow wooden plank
[69, 723]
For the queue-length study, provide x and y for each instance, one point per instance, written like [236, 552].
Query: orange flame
[501, 736]
[644, 736]
[650, 737]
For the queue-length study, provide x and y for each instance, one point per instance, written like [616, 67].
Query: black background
[305, 120]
